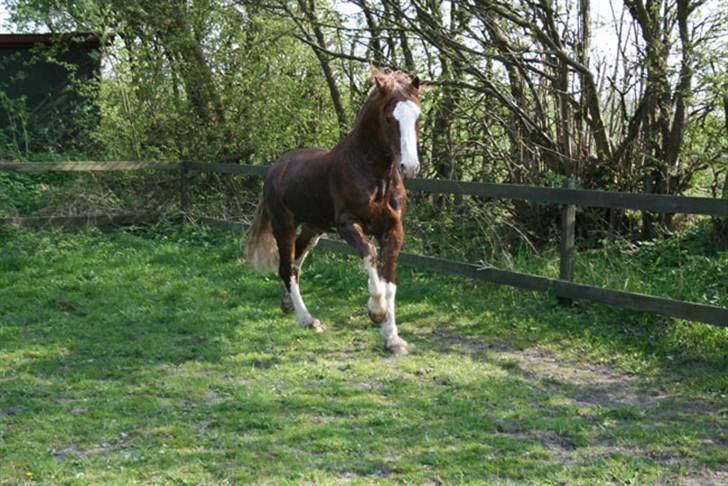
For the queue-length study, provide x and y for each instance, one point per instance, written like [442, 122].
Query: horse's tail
[262, 251]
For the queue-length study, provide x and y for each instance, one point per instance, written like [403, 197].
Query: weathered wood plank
[115, 165]
[578, 197]
[100, 220]
[227, 168]
[223, 224]
[627, 300]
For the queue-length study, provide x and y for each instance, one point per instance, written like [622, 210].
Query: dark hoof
[376, 318]
[286, 305]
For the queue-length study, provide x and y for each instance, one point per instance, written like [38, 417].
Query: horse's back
[296, 168]
[299, 181]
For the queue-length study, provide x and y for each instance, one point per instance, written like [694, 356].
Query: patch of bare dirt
[372, 387]
[74, 451]
[445, 340]
[542, 363]
[603, 385]
[212, 397]
[601, 389]
[704, 478]
[348, 478]
[10, 411]
[596, 384]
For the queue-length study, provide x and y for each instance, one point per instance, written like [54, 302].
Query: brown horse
[356, 188]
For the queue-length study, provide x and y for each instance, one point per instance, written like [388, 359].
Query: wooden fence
[568, 198]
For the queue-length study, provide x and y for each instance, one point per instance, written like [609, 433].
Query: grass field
[154, 356]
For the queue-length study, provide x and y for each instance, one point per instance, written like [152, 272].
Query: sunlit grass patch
[144, 356]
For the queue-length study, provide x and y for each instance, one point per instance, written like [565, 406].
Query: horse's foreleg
[390, 253]
[353, 234]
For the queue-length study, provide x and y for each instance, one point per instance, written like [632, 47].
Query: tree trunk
[308, 9]
[375, 43]
[582, 150]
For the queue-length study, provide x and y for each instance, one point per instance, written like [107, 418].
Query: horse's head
[399, 111]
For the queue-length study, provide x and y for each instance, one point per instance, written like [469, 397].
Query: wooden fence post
[567, 243]
[183, 190]
[720, 224]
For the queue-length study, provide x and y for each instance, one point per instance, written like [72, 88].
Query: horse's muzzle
[409, 171]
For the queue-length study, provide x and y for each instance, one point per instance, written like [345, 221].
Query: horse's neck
[364, 145]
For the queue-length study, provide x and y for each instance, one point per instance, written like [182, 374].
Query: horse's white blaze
[377, 291]
[304, 317]
[406, 113]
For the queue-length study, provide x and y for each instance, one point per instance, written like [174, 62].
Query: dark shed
[47, 102]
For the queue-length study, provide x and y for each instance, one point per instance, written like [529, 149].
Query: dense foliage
[629, 98]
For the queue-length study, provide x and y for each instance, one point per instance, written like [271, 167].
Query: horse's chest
[384, 207]
[378, 201]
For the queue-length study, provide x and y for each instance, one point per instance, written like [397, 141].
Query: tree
[199, 80]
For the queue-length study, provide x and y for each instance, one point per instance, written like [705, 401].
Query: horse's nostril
[401, 167]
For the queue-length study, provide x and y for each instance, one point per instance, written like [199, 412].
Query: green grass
[154, 356]
[687, 265]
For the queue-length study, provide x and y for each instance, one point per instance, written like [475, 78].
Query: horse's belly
[315, 212]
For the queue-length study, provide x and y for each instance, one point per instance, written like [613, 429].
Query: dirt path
[605, 397]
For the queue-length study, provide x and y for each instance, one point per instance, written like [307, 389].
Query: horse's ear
[416, 82]
[377, 76]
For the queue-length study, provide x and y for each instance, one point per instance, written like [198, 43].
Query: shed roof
[26, 40]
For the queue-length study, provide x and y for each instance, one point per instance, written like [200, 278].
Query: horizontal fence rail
[87, 166]
[226, 168]
[577, 197]
[566, 197]
[561, 288]
[81, 221]
[547, 195]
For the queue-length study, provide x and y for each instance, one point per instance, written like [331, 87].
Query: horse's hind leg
[288, 272]
[304, 243]
[286, 301]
